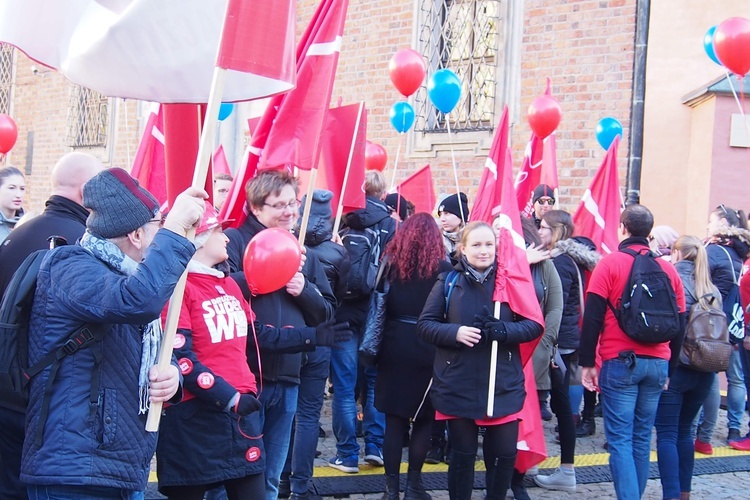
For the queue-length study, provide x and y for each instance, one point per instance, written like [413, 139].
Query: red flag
[598, 215]
[158, 51]
[488, 194]
[418, 189]
[539, 167]
[220, 163]
[148, 166]
[532, 447]
[289, 130]
[336, 143]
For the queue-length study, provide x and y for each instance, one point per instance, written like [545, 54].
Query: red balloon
[544, 115]
[407, 70]
[8, 133]
[375, 157]
[732, 44]
[271, 259]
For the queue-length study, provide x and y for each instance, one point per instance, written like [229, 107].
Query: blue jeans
[678, 406]
[736, 393]
[59, 492]
[279, 405]
[631, 387]
[313, 375]
[344, 407]
[705, 423]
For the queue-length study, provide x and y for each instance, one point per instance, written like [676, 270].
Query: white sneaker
[561, 479]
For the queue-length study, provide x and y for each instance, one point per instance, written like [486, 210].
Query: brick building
[503, 49]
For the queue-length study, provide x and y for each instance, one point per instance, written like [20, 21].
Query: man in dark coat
[307, 300]
[344, 361]
[63, 216]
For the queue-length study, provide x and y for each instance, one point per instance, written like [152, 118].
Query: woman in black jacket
[461, 369]
[415, 257]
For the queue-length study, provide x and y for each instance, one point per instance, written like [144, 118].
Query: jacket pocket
[107, 416]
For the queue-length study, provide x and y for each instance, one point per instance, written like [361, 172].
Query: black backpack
[647, 311]
[364, 248]
[15, 315]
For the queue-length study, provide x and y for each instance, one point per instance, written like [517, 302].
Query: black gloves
[246, 404]
[492, 328]
[330, 332]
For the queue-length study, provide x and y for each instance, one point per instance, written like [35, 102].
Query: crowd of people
[244, 393]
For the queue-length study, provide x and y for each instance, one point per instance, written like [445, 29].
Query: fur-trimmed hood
[734, 237]
[579, 252]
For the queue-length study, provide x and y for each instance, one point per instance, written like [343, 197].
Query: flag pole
[493, 370]
[199, 180]
[308, 206]
[340, 208]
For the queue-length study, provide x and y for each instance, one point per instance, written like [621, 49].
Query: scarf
[110, 254]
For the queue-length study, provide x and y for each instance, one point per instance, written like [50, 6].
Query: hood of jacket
[579, 252]
[736, 238]
[374, 212]
[319, 229]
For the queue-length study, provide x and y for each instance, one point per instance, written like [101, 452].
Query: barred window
[464, 36]
[88, 119]
[6, 77]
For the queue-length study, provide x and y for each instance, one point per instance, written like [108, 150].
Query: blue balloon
[401, 116]
[708, 45]
[444, 89]
[606, 131]
[225, 110]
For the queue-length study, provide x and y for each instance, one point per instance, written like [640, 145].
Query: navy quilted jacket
[105, 444]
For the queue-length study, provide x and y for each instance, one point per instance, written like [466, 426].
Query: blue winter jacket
[103, 444]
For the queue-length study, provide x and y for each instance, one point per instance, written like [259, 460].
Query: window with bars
[88, 119]
[6, 77]
[464, 36]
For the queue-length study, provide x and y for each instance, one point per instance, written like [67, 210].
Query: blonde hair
[468, 229]
[691, 248]
[375, 185]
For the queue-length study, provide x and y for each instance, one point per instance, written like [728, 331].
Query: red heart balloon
[8, 133]
[271, 259]
[375, 157]
[544, 115]
[407, 71]
[732, 44]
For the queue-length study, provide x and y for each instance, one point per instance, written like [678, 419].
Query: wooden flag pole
[493, 370]
[340, 208]
[199, 180]
[308, 206]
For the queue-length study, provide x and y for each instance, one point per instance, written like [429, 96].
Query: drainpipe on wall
[633, 188]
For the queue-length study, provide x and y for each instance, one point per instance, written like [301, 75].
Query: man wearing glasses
[307, 300]
[543, 201]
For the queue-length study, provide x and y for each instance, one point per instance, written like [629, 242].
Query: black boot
[516, 485]
[461, 475]
[435, 453]
[587, 425]
[499, 475]
[391, 487]
[414, 488]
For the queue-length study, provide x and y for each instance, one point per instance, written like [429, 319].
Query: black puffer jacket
[313, 306]
[375, 214]
[461, 374]
[332, 256]
[572, 259]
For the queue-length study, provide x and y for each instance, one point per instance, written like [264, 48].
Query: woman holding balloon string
[12, 191]
[214, 436]
[463, 332]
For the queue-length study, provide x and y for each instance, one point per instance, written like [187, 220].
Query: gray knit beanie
[321, 205]
[118, 204]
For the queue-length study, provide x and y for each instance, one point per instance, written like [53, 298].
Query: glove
[246, 404]
[330, 332]
[186, 211]
[492, 328]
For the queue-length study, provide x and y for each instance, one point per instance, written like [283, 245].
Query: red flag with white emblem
[148, 166]
[289, 131]
[539, 167]
[488, 194]
[598, 215]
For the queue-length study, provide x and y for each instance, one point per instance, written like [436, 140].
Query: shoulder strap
[580, 288]
[381, 275]
[450, 281]
[731, 262]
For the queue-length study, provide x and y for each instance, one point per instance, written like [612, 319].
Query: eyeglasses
[546, 201]
[544, 227]
[159, 220]
[292, 205]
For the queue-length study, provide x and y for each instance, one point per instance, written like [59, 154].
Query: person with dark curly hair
[415, 257]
